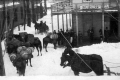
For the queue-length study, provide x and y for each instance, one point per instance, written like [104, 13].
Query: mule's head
[21, 66]
[63, 60]
[66, 57]
[23, 35]
[68, 51]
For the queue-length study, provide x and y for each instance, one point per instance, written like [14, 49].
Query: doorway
[114, 24]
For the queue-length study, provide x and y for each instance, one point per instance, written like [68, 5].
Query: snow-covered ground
[49, 63]
[48, 66]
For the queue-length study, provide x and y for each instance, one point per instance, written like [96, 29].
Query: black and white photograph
[60, 39]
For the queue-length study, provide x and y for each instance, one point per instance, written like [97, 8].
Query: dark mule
[15, 41]
[34, 42]
[37, 43]
[29, 56]
[12, 44]
[41, 27]
[30, 41]
[82, 63]
[25, 53]
[20, 65]
[23, 36]
[37, 26]
[45, 28]
[50, 39]
[18, 62]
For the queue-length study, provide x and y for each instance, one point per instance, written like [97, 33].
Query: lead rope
[77, 54]
[66, 40]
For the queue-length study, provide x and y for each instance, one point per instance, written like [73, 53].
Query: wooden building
[97, 14]
[86, 14]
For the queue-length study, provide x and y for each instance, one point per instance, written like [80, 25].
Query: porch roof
[67, 7]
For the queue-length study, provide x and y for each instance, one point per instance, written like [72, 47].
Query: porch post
[58, 20]
[103, 21]
[118, 19]
[24, 3]
[51, 18]
[45, 5]
[77, 24]
[66, 22]
[70, 19]
[63, 21]
[52, 22]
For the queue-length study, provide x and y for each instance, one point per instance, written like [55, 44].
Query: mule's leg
[76, 73]
[27, 62]
[24, 71]
[55, 47]
[19, 73]
[40, 49]
[23, 74]
[45, 45]
[46, 48]
[30, 62]
[17, 70]
[37, 50]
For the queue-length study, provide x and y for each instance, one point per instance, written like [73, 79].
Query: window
[87, 0]
[8, 17]
[15, 15]
[21, 8]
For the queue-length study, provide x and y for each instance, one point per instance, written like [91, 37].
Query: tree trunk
[2, 69]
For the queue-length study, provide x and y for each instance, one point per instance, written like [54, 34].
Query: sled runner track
[111, 62]
[109, 72]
